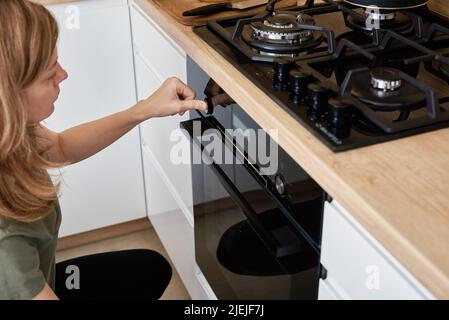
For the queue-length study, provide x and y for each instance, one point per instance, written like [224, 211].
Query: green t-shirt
[27, 255]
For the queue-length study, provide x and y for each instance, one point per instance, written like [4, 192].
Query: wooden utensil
[224, 6]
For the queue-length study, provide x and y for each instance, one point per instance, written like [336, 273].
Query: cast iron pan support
[433, 107]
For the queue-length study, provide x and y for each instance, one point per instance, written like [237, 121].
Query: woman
[29, 211]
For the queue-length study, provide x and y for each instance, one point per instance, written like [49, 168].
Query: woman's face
[42, 94]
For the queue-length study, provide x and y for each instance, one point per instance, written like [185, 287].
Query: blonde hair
[28, 35]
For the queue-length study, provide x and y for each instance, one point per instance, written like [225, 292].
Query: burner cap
[383, 89]
[388, 4]
[282, 34]
[280, 21]
[283, 27]
[380, 16]
[379, 19]
[386, 79]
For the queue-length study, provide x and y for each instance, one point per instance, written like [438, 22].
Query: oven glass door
[245, 245]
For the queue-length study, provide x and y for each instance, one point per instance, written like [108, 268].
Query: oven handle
[277, 249]
[284, 206]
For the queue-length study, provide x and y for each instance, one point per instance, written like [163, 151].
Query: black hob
[353, 76]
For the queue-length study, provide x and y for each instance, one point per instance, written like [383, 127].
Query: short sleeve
[20, 276]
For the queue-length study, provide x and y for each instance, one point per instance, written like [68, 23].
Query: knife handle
[209, 9]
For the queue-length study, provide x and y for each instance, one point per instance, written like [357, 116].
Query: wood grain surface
[441, 6]
[176, 8]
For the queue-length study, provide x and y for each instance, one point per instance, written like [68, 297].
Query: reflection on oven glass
[234, 258]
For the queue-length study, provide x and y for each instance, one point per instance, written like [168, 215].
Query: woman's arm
[85, 140]
[81, 142]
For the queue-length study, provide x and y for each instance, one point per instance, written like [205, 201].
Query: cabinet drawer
[166, 202]
[358, 267]
[170, 222]
[156, 134]
[165, 57]
[146, 80]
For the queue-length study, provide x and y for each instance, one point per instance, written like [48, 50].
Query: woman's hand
[173, 97]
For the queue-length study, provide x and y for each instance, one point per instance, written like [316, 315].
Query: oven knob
[282, 67]
[340, 116]
[210, 106]
[299, 80]
[280, 184]
[317, 100]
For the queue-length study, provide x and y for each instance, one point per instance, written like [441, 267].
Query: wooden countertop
[397, 190]
[438, 5]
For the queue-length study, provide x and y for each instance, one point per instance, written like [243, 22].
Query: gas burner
[282, 34]
[385, 79]
[379, 16]
[384, 89]
[379, 19]
[282, 21]
[388, 4]
[283, 27]
[347, 82]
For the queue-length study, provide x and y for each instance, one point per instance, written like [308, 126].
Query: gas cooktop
[353, 75]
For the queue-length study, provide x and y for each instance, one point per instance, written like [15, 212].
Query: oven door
[245, 242]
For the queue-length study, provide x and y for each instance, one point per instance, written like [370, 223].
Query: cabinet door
[161, 135]
[170, 218]
[164, 56]
[358, 267]
[107, 188]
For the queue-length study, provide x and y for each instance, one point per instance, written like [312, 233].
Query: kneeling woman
[29, 211]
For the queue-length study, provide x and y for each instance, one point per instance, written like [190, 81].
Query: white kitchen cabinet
[156, 133]
[157, 57]
[164, 56]
[96, 50]
[326, 292]
[168, 185]
[357, 265]
[168, 216]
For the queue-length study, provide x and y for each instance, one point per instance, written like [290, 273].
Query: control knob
[317, 101]
[281, 77]
[340, 117]
[299, 80]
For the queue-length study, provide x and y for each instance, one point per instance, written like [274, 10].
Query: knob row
[320, 101]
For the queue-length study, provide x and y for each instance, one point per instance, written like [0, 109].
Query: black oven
[257, 225]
